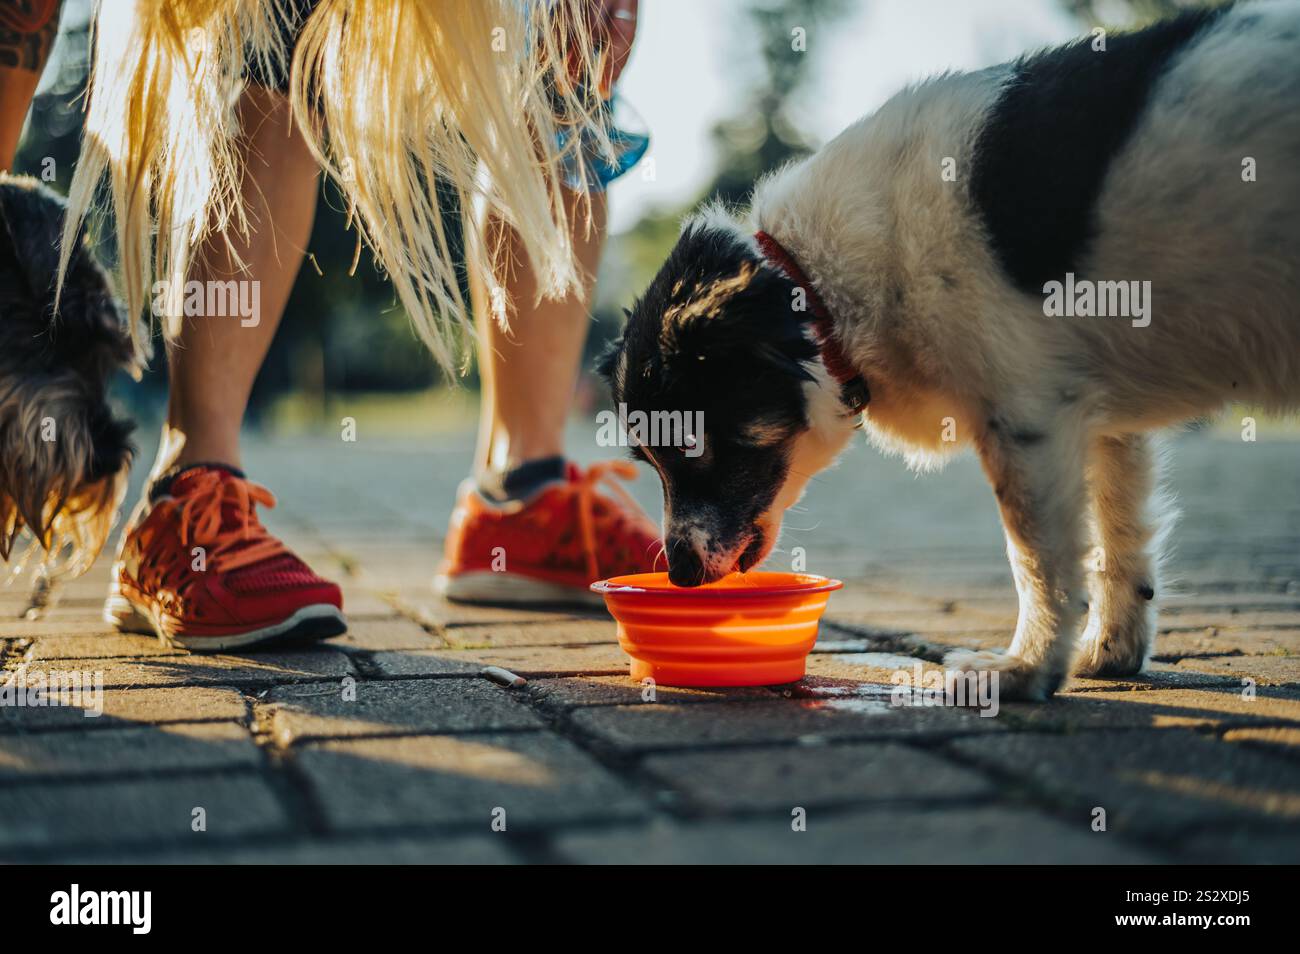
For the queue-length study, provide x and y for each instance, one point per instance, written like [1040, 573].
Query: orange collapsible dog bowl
[752, 629]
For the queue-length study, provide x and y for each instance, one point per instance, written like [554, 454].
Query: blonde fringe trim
[391, 96]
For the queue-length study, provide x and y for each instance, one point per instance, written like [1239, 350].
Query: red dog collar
[853, 387]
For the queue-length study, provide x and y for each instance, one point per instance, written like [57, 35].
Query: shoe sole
[308, 624]
[510, 589]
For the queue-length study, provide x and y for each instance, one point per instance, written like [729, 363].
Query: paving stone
[1250, 846]
[253, 669]
[873, 591]
[80, 606]
[537, 777]
[127, 707]
[569, 693]
[92, 584]
[398, 850]
[528, 661]
[1230, 602]
[394, 570]
[1201, 619]
[833, 628]
[938, 617]
[400, 707]
[933, 578]
[938, 625]
[901, 643]
[199, 745]
[64, 816]
[1169, 647]
[1213, 641]
[570, 632]
[922, 645]
[1153, 708]
[1153, 782]
[832, 638]
[757, 778]
[83, 625]
[384, 635]
[433, 611]
[859, 598]
[1157, 675]
[807, 720]
[937, 644]
[360, 604]
[77, 599]
[1280, 740]
[1264, 670]
[76, 611]
[100, 646]
[16, 605]
[878, 668]
[978, 836]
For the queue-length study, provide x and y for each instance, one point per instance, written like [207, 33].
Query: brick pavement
[387, 744]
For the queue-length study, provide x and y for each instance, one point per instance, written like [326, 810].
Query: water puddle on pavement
[865, 699]
[880, 660]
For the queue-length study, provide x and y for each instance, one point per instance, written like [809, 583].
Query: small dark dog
[64, 457]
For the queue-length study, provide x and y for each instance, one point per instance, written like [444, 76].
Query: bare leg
[25, 45]
[215, 359]
[163, 583]
[1037, 475]
[528, 373]
[1119, 635]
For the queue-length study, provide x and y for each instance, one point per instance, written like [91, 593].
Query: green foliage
[765, 132]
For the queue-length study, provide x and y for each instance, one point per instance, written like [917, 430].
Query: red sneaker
[243, 588]
[550, 548]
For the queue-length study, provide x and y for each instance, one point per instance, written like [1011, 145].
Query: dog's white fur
[923, 309]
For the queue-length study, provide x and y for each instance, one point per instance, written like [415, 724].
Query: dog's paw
[1017, 679]
[1097, 658]
[1118, 647]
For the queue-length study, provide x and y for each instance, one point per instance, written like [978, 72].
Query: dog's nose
[685, 563]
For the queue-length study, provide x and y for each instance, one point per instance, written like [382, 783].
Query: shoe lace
[204, 515]
[588, 485]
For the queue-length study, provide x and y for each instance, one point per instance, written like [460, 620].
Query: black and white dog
[1044, 260]
[64, 455]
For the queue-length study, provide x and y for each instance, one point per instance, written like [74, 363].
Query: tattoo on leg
[27, 29]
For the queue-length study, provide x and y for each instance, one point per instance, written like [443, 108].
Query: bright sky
[689, 69]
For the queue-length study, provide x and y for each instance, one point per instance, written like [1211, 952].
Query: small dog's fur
[1117, 165]
[64, 457]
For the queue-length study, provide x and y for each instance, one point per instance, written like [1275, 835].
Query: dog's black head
[63, 454]
[718, 334]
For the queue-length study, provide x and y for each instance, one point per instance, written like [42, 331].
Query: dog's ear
[32, 218]
[607, 362]
[59, 445]
[746, 314]
[111, 442]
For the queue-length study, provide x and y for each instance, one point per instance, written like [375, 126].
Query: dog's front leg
[1122, 479]
[1037, 476]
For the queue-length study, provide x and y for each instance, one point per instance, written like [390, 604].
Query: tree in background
[766, 132]
[763, 134]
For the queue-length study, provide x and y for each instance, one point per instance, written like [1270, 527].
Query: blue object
[590, 169]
